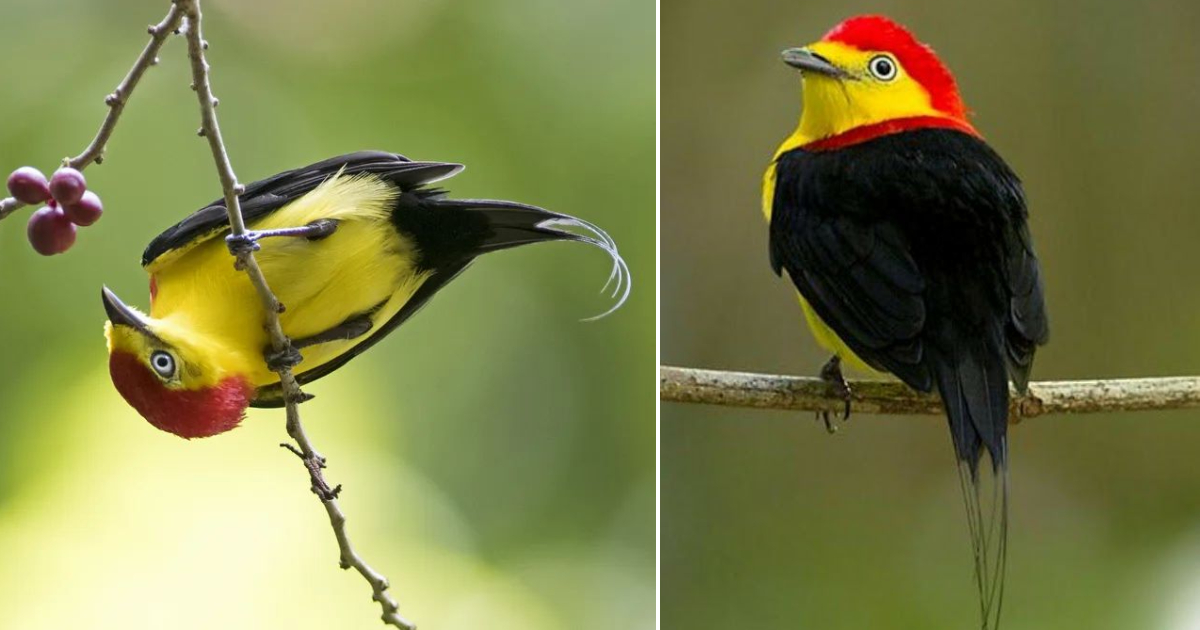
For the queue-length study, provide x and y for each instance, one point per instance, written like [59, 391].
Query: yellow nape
[209, 313]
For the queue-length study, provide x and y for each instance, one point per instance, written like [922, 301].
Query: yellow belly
[364, 264]
[830, 340]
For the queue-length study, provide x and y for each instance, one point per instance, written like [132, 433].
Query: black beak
[808, 61]
[121, 315]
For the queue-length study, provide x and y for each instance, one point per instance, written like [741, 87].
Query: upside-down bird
[352, 246]
[906, 237]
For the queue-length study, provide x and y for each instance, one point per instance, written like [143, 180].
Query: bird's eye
[163, 363]
[882, 67]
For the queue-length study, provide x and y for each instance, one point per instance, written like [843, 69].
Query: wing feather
[264, 197]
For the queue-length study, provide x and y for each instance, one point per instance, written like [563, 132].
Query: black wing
[853, 266]
[1027, 325]
[266, 196]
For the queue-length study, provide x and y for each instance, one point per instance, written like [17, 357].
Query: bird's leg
[832, 373]
[314, 231]
[241, 244]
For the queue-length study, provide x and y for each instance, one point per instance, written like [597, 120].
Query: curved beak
[806, 61]
[121, 315]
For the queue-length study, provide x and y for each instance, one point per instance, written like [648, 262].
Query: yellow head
[177, 379]
[869, 73]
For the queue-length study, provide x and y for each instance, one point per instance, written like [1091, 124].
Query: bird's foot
[831, 373]
[242, 244]
[286, 359]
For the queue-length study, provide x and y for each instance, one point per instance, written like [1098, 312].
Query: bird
[352, 246]
[906, 236]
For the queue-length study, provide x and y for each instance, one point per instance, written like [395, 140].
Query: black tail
[973, 381]
[450, 232]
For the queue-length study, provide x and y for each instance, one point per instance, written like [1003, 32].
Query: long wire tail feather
[514, 224]
[988, 533]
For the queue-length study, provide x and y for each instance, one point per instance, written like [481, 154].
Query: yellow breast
[364, 265]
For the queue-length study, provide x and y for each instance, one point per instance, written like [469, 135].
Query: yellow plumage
[211, 313]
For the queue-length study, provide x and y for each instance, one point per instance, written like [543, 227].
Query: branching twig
[243, 250]
[94, 152]
[769, 391]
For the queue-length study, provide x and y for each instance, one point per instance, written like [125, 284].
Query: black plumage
[913, 247]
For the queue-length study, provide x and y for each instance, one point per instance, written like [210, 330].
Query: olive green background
[497, 454]
[767, 522]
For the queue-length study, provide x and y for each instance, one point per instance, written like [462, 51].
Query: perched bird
[906, 237]
[352, 246]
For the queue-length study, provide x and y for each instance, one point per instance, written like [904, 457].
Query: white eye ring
[163, 363]
[882, 67]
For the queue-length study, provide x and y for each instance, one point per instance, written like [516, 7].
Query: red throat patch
[186, 413]
[878, 33]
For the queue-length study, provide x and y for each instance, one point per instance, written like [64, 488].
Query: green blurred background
[497, 454]
[767, 522]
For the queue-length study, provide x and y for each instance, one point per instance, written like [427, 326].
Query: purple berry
[28, 185]
[86, 211]
[50, 231]
[67, 185]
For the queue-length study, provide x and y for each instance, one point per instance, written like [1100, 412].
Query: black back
[913, 247]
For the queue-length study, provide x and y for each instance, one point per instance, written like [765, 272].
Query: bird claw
[831, 373]
[242, 244]
[286, 359]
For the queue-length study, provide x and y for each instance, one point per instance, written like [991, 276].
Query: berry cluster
[51, 229]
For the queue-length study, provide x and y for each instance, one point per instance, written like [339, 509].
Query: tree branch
[770, 391]
[94, 152]
[243, 251]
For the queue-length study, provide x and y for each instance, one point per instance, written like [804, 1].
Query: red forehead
[186, 413]
[878, 33]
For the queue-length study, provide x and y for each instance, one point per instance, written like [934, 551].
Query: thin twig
[94, 152]
[280, 344]
[770, 391]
